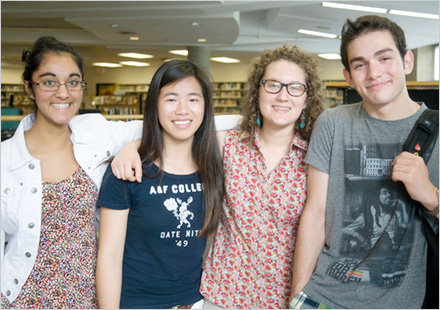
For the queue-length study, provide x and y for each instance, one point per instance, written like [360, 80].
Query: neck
[275, 137]
[178, 158]
[396, 110]
[46, 137]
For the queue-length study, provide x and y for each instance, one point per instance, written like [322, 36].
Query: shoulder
[89, 127]
[91, 119]
[340, 115]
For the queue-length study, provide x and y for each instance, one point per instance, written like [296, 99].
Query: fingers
[407, 167]
[138, 171]
[124, 171]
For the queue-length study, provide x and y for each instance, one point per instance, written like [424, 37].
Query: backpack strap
[422, 137]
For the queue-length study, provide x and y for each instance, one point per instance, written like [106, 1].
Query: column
[200, 55]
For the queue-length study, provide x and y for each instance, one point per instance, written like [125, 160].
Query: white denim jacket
[94, 140]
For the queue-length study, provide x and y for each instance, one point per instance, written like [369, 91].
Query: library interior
[221, 36]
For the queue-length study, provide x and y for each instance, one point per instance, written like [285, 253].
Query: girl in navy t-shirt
[153, 234]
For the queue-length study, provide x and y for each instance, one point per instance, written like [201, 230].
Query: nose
[182, 107]
[62, 91]
[374, 70]
[283, 94]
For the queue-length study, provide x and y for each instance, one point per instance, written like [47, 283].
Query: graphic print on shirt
[376, 234]
[180, 210]
[181, 203]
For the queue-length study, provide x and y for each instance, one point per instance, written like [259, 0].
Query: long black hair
[205, 150]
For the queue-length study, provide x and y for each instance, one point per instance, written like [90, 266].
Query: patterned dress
[64, 272]
[250, 263]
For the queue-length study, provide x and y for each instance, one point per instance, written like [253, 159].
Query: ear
[347, 77]
[29, 91]
[408, 62]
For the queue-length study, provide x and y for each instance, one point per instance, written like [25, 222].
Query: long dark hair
[205, 150]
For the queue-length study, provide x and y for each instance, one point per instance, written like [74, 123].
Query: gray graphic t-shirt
[375, 251]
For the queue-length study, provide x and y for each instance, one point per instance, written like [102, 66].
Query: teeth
[60, 105]
[282, 108]
[181, 122]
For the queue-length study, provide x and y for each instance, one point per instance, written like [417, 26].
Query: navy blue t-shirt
[162, 263]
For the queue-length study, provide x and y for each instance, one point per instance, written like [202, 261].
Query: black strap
[421, 141]
[422, 137]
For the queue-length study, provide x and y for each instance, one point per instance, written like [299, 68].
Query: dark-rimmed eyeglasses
[294, 89]
[51, 85]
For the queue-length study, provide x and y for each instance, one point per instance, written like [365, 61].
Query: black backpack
[421, 141]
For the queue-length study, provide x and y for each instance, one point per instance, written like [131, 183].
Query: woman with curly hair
[249, 264]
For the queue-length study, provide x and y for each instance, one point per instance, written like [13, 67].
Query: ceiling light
[225, 60]
[106, 64]
[179, 52]
[134, 63]
[319, 34]
[354, 7]
[414, 14]
[134, 38]
[135, 55]
[201, 40]
[330, 56]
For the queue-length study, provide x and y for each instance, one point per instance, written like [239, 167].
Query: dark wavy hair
[369, 23]
[205, 150]
[314, 104]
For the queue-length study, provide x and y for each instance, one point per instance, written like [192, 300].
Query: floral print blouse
[250, 262]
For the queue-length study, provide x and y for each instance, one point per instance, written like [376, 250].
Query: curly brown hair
[314, 104]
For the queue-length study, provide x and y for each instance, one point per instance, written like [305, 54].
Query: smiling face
[282, 110]
[56, 107]
[181, 109]
[377, 70]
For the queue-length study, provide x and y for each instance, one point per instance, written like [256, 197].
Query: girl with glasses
[51, 174]
[249, 264]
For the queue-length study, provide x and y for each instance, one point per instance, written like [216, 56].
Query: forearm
[311, 238]
[108, 281]
[112, 232]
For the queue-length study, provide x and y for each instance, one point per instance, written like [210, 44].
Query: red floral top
[250, 263]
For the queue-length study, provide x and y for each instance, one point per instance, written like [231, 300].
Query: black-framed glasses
[294, 89]
[51, 85]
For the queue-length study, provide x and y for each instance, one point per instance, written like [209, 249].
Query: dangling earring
[302, 120]
[258, 118]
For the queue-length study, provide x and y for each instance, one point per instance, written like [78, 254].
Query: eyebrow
[378, 53]
[176, 94]
[54, 75]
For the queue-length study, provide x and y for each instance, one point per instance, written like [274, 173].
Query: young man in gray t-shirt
[360, 241]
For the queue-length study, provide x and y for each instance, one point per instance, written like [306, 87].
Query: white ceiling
[239, 29]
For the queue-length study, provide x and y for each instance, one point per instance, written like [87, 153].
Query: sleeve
[3, 244]
[227, 122]
[321, 142]
[126, 131]
[96, 125]
[114, 193]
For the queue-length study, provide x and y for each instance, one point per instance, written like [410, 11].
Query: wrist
[435, 211]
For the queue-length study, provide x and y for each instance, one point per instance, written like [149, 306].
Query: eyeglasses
[294, 89]
[51, 85]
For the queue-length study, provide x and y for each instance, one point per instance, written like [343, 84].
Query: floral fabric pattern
[250, 262]
[64, 272]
